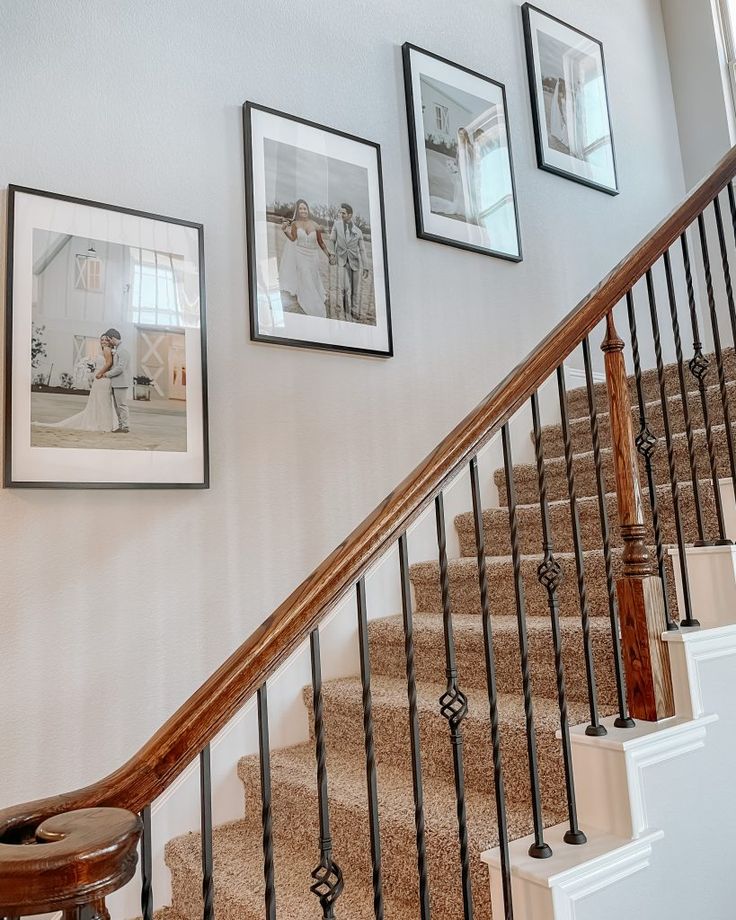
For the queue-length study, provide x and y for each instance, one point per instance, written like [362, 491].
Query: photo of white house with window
[84, 292]
[468, 161]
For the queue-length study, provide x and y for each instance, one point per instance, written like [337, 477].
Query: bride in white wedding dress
[299, 270]
[99, 412]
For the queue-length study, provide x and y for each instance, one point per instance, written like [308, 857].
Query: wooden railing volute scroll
[639, 589]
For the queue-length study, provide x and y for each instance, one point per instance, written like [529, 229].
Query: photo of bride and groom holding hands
[301, 266]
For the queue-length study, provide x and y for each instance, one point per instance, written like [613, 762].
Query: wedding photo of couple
[108, 355]
[319, 235]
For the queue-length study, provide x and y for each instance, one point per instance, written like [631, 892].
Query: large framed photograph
[316, 236]
[462, 168]
[105, 347]
[572, 121]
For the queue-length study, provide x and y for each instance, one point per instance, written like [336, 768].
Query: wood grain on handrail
[150, 771]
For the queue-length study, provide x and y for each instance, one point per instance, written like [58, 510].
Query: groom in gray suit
[120, 380]
[352, 263]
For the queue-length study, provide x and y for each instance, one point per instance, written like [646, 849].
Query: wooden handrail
[154, 767]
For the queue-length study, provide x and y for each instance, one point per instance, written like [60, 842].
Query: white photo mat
[602, 176]
[75, 465]
[277, 323]
[437, 224]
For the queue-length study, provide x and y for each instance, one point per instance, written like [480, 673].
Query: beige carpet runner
[237, 846]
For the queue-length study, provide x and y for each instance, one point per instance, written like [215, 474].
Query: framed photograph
[463, 175]
[316, 236]
[572, 121]
[105, 357]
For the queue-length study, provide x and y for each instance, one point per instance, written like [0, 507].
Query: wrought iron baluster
[264, 750]
[327, 875]
[699, 365]
[454, 707]
[646, 444]
[623, 720]
[719, 358]
[539, 849]
[146, 866]
[595, 728]
[416, 756]
[672, 297]
[717, 341]
[687, 620]
[549, 574]
[205, 790]
[370, 753]
[491, 685]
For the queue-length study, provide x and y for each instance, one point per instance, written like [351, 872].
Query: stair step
[580, 427]
[527, 487]
[296, 818]
[578, 397]
[498, 540]
[388, 660]
[238, 875]
[344, 720]
[465, 593]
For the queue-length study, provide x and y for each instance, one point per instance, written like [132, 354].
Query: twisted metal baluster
[454, 707]
[539, 849]
[491, 685]
[370, 752]
[683, 396]
[328, 880]
[205, 789]
[264, 749]
[416, 756]
[687, 620]
[623, 720]
[719, 359]
[146, 866]
[549, 574]
[699, 365]
[595, 728]
[646, 444]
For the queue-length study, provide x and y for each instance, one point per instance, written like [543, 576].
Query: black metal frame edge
[541, 162]
[8, 481]
[255, 335]
[422, 233]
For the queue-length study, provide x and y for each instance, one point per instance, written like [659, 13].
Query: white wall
[699, 84]
[117, 605]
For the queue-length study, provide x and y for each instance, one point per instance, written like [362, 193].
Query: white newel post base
[609, 775]
[712, 574]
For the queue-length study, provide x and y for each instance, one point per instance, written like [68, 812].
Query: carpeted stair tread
[388, 659]
[527, 487]
[496, 522]
[465, 593]
[578, 397]
[580, 427]
[239, 886]
[344, 721]
[295, 815]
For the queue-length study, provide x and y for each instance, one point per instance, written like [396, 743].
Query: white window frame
[442, 118]
[727, 22]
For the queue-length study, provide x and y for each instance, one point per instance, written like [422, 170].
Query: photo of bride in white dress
[99, 412]
[299, 268]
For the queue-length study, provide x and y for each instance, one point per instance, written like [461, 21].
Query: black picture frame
[9, 480]
[416, 150]
[526, 10]
[256, 335]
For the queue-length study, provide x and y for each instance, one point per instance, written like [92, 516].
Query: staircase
[238, 856]
[445, 745]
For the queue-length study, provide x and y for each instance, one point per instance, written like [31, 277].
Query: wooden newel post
[639, 589]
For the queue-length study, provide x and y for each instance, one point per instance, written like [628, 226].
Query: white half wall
[116, 606]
